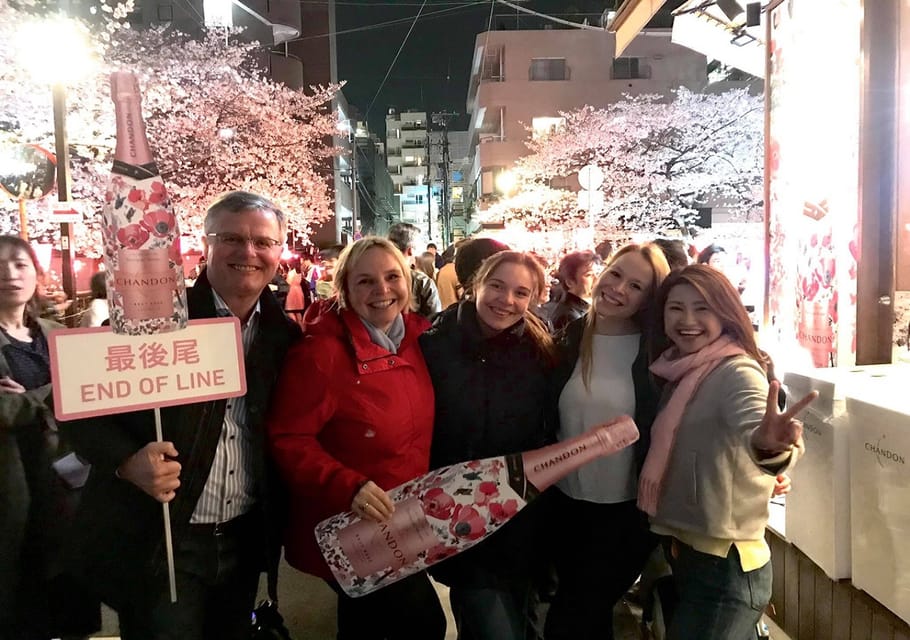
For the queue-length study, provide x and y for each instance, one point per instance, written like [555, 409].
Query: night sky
[432, 71]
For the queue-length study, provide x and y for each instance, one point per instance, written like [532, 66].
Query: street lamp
[68, 58]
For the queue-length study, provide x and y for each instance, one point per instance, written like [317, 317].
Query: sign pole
[166, 511]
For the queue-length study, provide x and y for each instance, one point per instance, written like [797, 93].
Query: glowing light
[54, 50]
[78, 265]
[506, 181]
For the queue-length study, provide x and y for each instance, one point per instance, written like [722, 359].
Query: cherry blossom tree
[661, 160]
[215, 122]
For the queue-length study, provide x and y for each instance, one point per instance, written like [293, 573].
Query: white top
[613, 478]
[96, 313]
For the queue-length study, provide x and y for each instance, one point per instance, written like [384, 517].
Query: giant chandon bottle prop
[146, 291]
[451, 509]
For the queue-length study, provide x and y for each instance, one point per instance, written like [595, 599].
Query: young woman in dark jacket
[490, 359]
[600, 540]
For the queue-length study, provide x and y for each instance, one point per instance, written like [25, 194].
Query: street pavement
[308, 607]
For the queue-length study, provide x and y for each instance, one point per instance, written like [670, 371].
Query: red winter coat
[346, 411]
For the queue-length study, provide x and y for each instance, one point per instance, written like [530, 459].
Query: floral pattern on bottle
[461, 504]
[138, 218]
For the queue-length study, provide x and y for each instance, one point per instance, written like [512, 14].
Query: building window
[493, 60]
[630, 69]
[542, 127]
[165, 13]
[548, 69]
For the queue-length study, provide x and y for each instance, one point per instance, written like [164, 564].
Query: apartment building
[523, 79]
[270, 22]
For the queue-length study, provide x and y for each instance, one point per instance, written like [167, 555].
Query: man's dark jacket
[118, 547]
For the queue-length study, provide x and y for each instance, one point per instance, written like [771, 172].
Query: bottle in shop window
[451, 509]
[144, 265]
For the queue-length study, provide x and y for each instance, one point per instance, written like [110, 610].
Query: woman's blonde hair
[351, 256]
[538, 332]
[655, 257]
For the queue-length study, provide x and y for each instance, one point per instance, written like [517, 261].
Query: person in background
[446, 278]
[438, 260]
[489, 359]
[714, 256]
[469, 258]
[38, 600]
[406, 237]
[97, 311]
[425, 262]
[602, 373]
[328, 258]
[717, 442]
[576, 279]
[226, 501]
[675, 250]
[358, 425]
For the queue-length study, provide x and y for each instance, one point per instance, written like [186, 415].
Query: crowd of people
[381, 362]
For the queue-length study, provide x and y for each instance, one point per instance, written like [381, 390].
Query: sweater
[714, 485]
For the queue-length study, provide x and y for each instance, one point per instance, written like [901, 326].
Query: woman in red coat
[355, 425]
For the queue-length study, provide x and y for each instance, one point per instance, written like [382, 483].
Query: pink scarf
[689, 371]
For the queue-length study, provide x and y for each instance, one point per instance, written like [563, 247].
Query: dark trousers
[217, 580]
[600, 550]
[492, 612]
[717, 599]
[405, 610]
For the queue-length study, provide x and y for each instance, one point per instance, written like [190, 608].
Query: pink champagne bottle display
[451, 509]
[144, 265]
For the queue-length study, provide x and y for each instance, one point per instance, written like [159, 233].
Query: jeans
[405, 610]
[492, 613]
[217, 578]
[717, 599]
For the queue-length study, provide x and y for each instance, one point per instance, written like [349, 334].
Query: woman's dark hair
[705, 256]
[675, 251]
[15, 244]
[471, 255]
[98, 286]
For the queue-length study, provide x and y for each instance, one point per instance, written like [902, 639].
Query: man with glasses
[213, 467]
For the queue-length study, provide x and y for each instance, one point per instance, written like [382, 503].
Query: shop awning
[706, 28]
[630, 19]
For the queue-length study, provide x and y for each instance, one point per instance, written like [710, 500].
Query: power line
[388, 23]
[391, 66]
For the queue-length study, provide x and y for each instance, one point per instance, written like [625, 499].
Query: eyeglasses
[236, 241]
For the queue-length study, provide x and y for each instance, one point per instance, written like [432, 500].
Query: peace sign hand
[778, 430]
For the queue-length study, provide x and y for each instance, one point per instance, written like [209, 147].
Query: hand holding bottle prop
[451, 509]
[372, 503]
[780, 429]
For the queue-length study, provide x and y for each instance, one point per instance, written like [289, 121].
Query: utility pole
[429, 187]
[442, 119]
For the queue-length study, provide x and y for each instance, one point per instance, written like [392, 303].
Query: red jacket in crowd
[346, 411]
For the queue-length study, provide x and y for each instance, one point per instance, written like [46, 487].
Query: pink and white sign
[98, 372]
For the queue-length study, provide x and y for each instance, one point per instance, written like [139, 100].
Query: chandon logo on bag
[882, 454]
